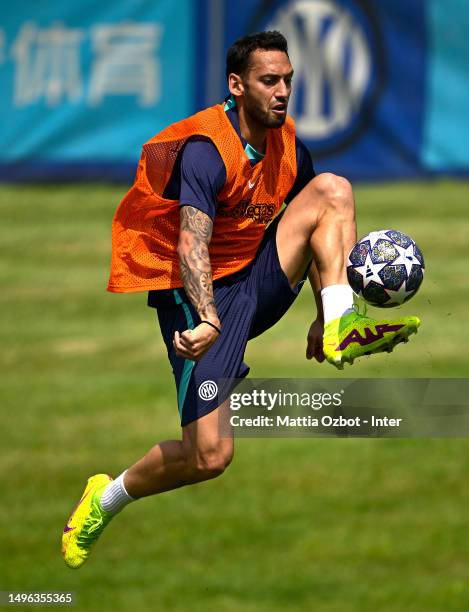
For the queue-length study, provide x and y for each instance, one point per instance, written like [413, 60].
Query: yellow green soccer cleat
[86, 523]
[355, 335]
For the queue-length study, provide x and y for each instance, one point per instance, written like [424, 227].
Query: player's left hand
[314, 340]
[194, 343]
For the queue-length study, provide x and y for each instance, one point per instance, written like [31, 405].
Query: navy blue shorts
[248, 303]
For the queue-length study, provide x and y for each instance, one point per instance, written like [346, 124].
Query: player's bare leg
[320, 224]
[201, 455]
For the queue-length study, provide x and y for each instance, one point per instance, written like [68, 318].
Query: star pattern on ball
[370, 270]
[406, 258]
[399, 296]
[374, 237]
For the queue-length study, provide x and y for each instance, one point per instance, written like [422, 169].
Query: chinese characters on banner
[48, 63]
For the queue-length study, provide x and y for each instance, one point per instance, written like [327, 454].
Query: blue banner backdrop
[380, 88]
[85, 84]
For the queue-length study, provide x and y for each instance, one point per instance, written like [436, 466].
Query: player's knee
[336, 193]
[210, 463]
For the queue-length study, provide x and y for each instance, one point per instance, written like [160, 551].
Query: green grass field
[295, 524]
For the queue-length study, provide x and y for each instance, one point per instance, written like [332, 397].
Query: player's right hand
[194, 343]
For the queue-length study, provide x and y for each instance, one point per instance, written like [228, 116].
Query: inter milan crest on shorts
[208, 390]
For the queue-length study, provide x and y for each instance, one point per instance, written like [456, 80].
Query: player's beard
[262, 117]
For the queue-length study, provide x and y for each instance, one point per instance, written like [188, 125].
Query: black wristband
[211, 325]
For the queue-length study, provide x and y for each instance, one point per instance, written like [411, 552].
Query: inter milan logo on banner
[334, 49]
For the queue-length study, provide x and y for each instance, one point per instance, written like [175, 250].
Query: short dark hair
[237, 58]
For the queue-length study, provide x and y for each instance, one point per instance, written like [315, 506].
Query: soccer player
[201, 231]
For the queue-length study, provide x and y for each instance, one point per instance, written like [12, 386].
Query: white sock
[337, 301]
[115, 497]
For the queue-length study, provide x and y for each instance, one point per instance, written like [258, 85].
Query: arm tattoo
[196, 270]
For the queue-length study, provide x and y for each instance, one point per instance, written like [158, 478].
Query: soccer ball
[385, 268]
